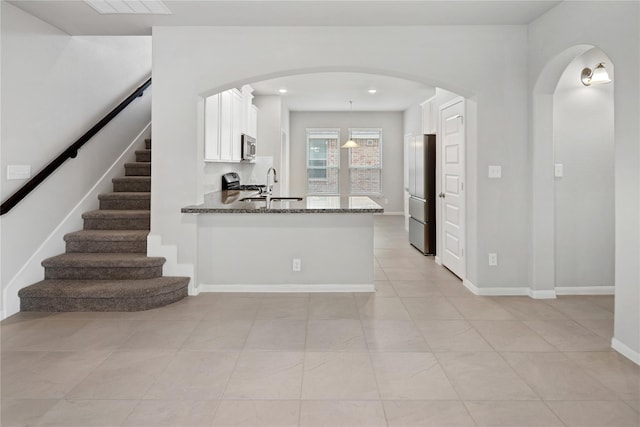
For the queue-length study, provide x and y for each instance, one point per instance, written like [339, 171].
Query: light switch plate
[15, 172]
[495, 171]
[493, 259]
[558, 170]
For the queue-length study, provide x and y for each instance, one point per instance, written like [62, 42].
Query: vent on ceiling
[148, 7]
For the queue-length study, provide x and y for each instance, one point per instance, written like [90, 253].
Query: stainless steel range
[231, 181]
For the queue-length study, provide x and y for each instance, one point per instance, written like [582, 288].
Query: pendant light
[350, 143]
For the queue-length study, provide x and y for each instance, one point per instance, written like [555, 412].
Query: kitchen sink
[286, 198]
[273, 199]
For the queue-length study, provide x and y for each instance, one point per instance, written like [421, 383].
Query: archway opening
[564, 113]
[583, 151]
[285, 146]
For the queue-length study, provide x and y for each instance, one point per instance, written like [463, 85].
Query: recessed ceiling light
[372, 91]
[146, 7]
[283, 90]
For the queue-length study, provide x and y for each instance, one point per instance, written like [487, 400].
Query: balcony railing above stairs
[70, 153]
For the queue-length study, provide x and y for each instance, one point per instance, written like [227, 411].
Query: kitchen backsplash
[250, 173]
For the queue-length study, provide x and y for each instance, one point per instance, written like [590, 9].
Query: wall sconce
[596, 76]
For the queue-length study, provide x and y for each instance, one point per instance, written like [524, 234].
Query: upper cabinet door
[212, 128]
[253, 121]
[236, 125]
[226, 125]
[227, 117]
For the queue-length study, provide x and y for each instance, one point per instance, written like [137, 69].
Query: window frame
[326, 168]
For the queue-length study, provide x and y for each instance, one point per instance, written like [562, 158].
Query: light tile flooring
[422, 351]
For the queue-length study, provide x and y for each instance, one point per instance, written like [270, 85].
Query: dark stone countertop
[230, 202]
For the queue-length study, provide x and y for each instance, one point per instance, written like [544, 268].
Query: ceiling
[310, 92]
[75, 17]
[333, 91]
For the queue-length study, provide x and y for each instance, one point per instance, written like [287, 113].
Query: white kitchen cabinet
[236, 126]
[226, 126]
[252, 129]
[427, 117]
[223, 126]
[247, 103]
[212, 127]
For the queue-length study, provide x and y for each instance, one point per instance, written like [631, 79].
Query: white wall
[584, 203]
[487, 63]
[54, 88]
[392, 150]
[269, 132]
[552, 39]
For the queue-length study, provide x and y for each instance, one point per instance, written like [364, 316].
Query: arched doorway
[278, 154]
[564, 113]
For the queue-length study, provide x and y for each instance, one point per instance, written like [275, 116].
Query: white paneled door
[452, 137]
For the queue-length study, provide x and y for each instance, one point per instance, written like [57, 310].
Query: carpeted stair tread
[143, 155]
[117, 219]
[132, 183]
[113, 241]
[125, 200]
[137, 169]
[103, 288]
[102, 260]
[118, 195]
[107, 235]
[116, 214]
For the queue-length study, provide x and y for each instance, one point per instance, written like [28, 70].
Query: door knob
[441, 195]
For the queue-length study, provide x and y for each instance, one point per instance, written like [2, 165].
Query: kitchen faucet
[275, 179]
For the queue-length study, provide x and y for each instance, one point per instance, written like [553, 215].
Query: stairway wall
[54, 88]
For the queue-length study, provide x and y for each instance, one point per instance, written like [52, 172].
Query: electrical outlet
[297, 264]
[493, 259]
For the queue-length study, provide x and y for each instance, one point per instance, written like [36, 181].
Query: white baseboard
[437, 260]
[496, 291]
[585, 290]
[203, 287]
[32, 272]
[508, 291]
[626, 351]
[550, 294]
[171, 267]
[538, 294]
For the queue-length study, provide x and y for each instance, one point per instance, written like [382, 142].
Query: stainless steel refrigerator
[422, 194]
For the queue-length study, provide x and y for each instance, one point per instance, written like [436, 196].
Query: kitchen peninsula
[245, 246]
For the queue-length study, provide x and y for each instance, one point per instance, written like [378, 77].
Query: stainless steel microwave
[248, 148]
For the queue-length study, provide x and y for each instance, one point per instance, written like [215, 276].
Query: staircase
[105, 267]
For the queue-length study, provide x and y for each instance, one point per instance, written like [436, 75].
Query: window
[365, 162]
[323, 161]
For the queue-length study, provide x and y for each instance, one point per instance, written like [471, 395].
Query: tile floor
[422, 351]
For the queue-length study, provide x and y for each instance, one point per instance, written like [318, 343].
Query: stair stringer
[32, 270]
[171, 267]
